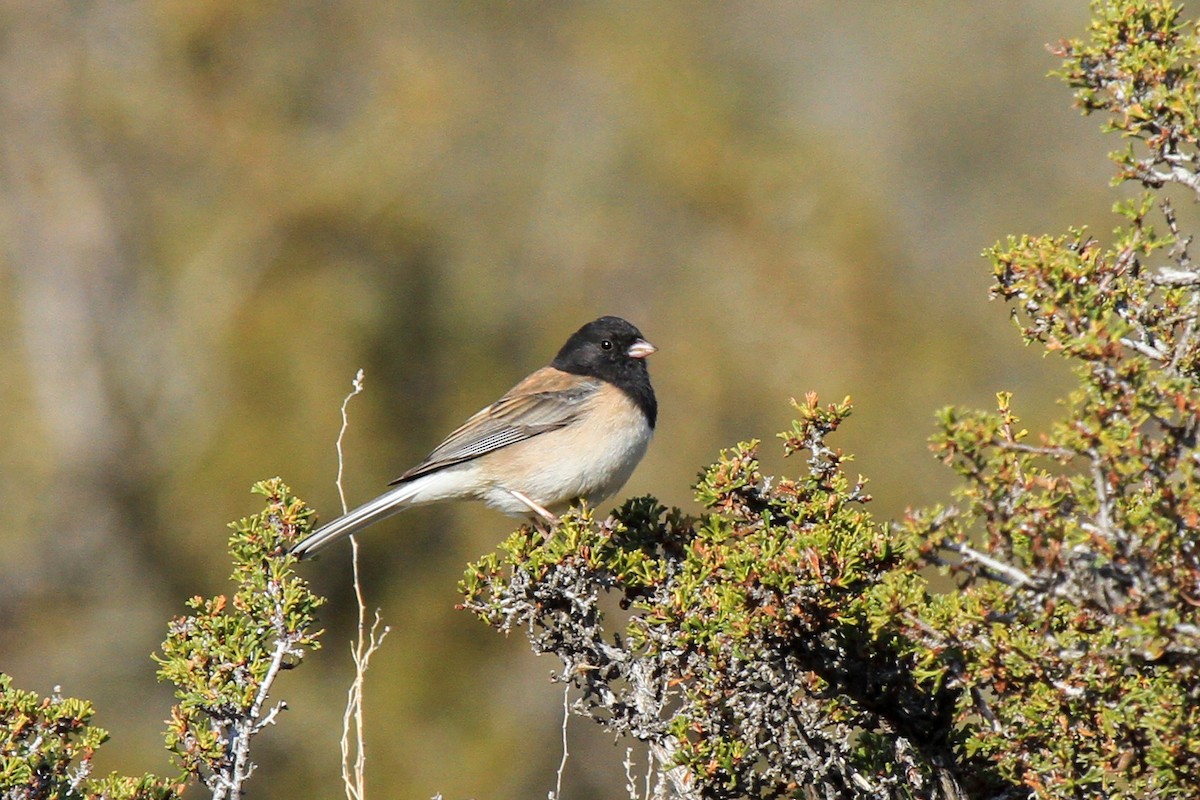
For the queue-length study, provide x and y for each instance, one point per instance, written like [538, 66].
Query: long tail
[382, 507]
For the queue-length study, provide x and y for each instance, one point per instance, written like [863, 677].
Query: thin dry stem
[367, 641]
[357, 385]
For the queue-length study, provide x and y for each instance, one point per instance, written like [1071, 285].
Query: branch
[1153, 353]
[246, 727]
[224, 658]
[1015, 576]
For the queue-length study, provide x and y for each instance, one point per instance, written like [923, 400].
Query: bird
[572, 431]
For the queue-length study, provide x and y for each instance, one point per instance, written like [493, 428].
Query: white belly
[590, 459]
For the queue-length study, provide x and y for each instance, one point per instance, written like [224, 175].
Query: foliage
[785, 644]
[46, 750]
[223, 660]
[1080, 647]
[1140, 68]
[213, 210]
[764, 650]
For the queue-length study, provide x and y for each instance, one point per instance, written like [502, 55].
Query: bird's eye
[606, 344]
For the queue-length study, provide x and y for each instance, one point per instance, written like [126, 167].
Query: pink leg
[534, 507]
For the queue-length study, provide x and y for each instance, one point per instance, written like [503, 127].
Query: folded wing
[545, 401]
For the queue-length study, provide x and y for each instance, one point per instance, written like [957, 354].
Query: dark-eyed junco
[571, 431]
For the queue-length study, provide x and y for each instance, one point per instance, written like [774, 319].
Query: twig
[995, 565]
[650, 774]
[269, 719]
[361, 656]
[1153, 353]
[357, 385]
[361, 649]
[1103, 500]
[630, 782]
[230, 786]
[664, 751]
[1022, 447]
[562, 764]
[1176, 277]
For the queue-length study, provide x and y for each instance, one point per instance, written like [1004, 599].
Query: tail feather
[368, 513]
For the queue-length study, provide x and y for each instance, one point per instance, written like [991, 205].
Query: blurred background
[213, 213]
